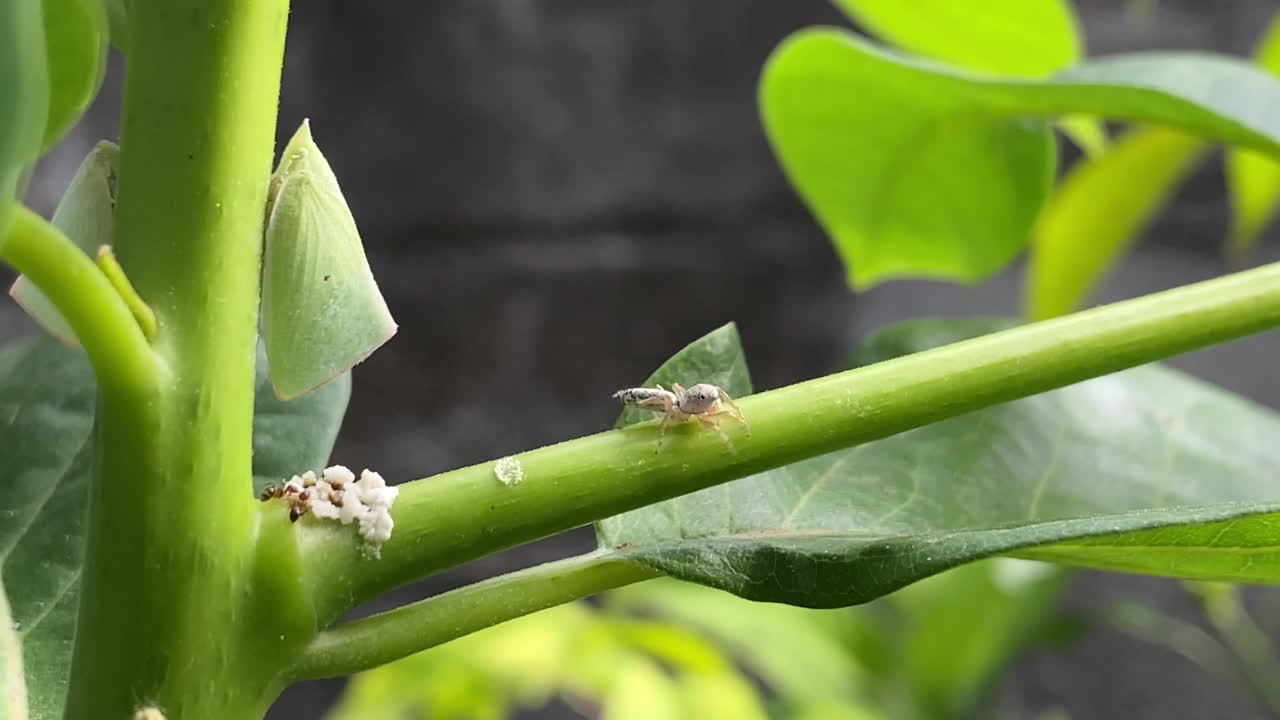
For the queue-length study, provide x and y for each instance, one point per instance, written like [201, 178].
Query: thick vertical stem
[170, 548]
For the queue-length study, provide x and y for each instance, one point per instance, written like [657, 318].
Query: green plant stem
[103, 322]
[456, 516]
[1224, 607]
[169, 583]
[388, 636]
[1186, 639]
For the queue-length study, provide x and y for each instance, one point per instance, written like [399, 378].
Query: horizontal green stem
[456, 516]
[397, 633]
[103, 322]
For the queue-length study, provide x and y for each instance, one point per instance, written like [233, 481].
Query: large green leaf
[76, 47]
[47, 393]
[24, 96]
[47, 397]
[916, 169]
[1022, 38]
[1031, 38]
[1146, 471]
[1254, 178]
[1098, 211]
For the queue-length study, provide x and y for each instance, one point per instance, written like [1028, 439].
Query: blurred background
[556, 195]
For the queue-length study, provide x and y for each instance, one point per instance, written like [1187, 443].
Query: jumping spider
[704, 402]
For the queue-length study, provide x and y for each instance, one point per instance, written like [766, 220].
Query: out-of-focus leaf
[24, 97]
[322, 311]
[1184, 638]
[1146, 470]
[1021, 38]
[720, 696]
[1030, 38]
[1097, 212]
[1254, 178]
[642, 692]
[76, 48]
[916, 169]
[483, 675]
[117, 23]
[602, 658]
[961, 629]
[829, 710]
[47, 394]
[792, 649]
[86, 215]
[13, 687]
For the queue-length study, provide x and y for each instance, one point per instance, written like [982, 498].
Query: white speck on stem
[509, 471]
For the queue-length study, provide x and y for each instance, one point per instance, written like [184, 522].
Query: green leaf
[322, 311]
[1031, 38]
[47, 393]
[1099, 210]
[1253, 179]
[1143, 471]
[915, 169]
[292, 436]
[13, 685]
[47, 397]
[24, 97]
[76, 48]
[86, 215]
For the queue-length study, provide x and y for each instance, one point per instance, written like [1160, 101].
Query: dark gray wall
[558, 194]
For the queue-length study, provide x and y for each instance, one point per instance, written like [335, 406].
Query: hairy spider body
[703, 403]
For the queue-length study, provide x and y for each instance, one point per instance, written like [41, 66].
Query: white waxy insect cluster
[508, 471]
[338, 495]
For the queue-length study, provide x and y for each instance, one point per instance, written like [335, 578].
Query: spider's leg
[713, 422]
[731, 409]
[662, 430]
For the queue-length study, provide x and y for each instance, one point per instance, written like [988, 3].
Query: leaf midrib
[1246, 509]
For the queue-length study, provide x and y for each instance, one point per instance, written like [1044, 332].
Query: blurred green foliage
[666, 650]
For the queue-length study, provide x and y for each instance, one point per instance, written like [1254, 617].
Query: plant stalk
[380, 639]
[101, 318]
[448, 519]
[167, 580]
